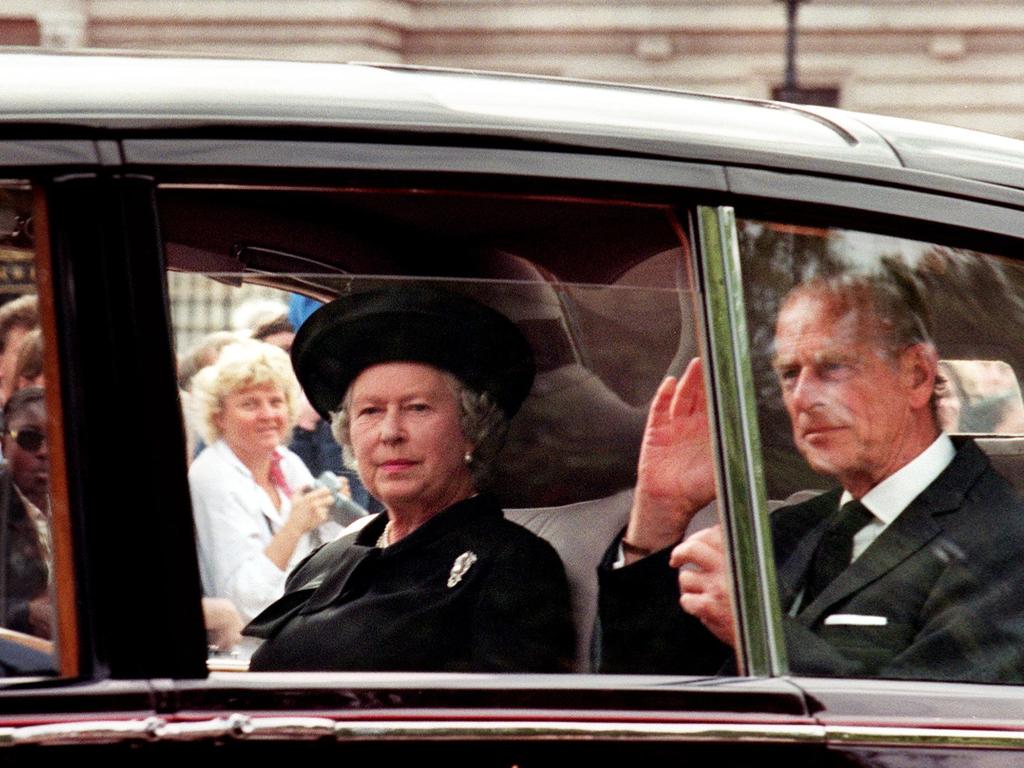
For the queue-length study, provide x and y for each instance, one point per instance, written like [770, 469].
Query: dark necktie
[835, 551]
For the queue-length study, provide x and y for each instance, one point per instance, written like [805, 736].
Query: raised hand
[675, 474]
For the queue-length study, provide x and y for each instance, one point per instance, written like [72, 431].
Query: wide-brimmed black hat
[449, 331]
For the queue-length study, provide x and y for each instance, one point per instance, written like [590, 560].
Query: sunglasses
[28, 439]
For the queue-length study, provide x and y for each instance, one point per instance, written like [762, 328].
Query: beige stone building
[953, 61]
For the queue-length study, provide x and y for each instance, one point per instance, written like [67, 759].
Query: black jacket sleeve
[641, 627]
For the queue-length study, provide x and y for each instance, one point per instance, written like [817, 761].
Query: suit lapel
[908, 533]
[797, 539]
[913, 529]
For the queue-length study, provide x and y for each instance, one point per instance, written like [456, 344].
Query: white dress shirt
[891, 496]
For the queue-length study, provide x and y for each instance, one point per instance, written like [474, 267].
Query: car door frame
[103, 208]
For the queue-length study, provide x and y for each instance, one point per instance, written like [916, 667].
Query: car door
[65, 249]
[963, 251]
[599, 259]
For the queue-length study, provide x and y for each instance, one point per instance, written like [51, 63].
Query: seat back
[1007, 456]
[581, 534]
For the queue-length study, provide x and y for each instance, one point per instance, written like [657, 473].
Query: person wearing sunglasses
[25, 603]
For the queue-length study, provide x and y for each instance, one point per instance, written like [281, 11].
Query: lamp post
[791, 90]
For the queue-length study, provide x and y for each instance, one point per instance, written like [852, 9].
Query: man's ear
[919, 364]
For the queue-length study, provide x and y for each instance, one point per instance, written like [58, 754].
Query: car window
[887, 376]
[37, 631]
[600, 289]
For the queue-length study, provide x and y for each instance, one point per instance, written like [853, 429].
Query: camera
[343, 510]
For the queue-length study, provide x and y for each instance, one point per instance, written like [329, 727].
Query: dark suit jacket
[354, 606]
[25, 571]
[946, 578]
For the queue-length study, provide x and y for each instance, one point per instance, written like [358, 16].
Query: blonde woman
[255, 510]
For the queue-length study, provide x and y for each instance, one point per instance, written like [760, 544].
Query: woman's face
[405, 434]
[254, 419]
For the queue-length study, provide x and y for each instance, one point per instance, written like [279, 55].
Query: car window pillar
[742, 498]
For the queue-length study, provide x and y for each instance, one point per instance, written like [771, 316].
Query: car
[624, 229]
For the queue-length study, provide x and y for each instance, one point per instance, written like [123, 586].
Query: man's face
[858, 414]
[29, 468]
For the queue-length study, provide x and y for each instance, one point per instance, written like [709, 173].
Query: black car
[625, 230]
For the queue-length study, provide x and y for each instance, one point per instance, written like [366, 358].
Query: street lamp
[790, 90]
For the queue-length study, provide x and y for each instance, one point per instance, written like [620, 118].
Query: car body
[595, 203]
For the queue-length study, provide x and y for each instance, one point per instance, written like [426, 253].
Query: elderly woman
[421, 384]
[255, 511]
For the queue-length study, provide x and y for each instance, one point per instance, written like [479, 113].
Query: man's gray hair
[891, 296]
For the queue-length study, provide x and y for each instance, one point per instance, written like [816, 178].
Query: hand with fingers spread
[675, 474]
[704, 584]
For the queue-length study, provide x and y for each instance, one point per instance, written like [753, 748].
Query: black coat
[945, 576]
[354, 606]
[25, 571]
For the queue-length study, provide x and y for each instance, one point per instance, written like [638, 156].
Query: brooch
[461, 565]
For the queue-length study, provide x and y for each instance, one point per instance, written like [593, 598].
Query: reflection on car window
[28, 583]
[979, 397]
[876, 358]
[599, 293]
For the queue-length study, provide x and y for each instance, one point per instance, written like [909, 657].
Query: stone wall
[951, 61]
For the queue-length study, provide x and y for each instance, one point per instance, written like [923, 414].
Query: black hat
[479, 345]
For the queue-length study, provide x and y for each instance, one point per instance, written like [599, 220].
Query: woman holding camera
[257, 511]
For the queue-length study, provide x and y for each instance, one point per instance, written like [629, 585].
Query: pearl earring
[468, 458]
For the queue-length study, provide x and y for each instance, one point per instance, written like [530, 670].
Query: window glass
[887, 374]
[600, 291]
[34, 567]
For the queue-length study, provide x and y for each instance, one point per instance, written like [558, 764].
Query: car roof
[143, 92]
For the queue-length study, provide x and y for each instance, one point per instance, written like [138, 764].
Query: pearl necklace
[384, 540]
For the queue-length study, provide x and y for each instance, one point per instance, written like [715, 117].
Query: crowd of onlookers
[255, 448]
[26, 603]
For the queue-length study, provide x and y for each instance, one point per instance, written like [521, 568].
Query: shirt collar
[224, 451]
[227, 455]
[894, 494]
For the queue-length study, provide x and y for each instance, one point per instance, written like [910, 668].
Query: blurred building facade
[958, 62]
[951, 61]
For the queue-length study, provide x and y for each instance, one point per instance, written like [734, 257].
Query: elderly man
[911, 569]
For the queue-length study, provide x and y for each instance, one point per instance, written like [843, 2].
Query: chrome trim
[547, 730]
[945, 738]
[244, 727]
[730, 380]
[83, 732]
